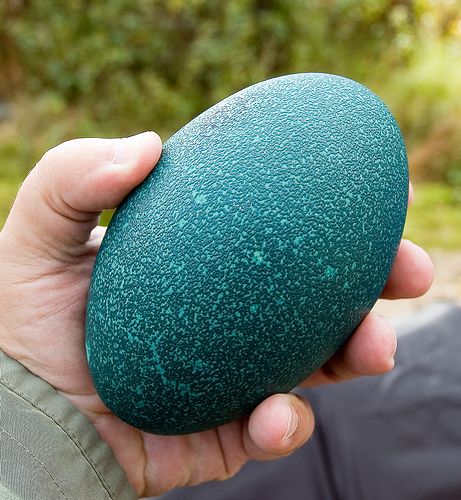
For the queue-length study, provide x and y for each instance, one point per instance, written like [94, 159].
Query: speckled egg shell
[249, 255]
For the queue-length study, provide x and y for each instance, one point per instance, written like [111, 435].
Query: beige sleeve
[48, 449]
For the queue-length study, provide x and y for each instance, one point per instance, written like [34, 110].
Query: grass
[434, 220]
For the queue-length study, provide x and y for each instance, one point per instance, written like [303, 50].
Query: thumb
[59, 203]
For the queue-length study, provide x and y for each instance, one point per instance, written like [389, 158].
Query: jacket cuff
[49, 449]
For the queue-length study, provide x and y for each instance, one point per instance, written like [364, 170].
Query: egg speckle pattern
[249, 255]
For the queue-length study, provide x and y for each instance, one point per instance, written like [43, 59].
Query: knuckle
[53, 156]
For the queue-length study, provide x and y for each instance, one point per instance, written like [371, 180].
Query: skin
[47, 251]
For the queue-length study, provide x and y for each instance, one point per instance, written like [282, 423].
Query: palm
[47, 252]
[57, 320]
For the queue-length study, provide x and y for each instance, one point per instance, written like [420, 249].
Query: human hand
[47, 252]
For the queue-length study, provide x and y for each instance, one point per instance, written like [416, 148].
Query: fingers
[284, 422]
[59, 203]
[94, 240]
[411, 274]
[370, 351]
[277, 427]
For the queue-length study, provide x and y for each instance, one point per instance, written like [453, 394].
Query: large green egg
[249, 255]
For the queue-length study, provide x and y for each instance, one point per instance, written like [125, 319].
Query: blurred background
[72, 68]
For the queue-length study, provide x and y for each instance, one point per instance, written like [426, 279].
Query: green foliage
[8, 188]
[76, 67]
[435, 217]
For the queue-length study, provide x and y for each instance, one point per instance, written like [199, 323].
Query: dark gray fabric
[396, 437]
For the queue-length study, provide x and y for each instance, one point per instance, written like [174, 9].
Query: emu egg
[249, 255]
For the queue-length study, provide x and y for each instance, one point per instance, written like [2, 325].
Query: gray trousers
[392, 437]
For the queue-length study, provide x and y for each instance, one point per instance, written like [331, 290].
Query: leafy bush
[73, 67]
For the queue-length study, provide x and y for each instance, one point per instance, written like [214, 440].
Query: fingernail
[392, 358]
[128, 147]
[292, 421]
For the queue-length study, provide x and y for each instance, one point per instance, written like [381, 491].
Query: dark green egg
[249, 255]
